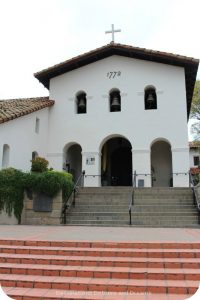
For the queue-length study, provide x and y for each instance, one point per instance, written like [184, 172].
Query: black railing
[71, 200]
[131, 199]
[195, 196]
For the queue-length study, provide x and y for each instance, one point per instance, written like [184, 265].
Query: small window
[34, 155]
[196, 161]
[6, 156]
[150, 98]
[37, 125]
[115, 100]
[81, 103]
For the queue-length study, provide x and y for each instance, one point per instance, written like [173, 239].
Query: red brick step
[103, 252]
[136, 262]
[125, 269]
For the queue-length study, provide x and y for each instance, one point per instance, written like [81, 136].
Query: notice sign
[90, 160]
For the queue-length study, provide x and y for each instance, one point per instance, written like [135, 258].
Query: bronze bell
[150, 98]
[115, 103]
[81, 103]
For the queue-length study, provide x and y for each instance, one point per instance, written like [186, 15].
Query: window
[196, 161]
[37, 125]
[150, 98]
[115, 100]
[6, 156]
[81, 103]
[34, 155]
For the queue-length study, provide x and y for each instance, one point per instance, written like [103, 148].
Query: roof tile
[15, 108]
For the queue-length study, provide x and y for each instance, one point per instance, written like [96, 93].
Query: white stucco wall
[141, 127]
[22, 139]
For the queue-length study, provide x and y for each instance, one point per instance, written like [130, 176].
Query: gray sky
[36, 34]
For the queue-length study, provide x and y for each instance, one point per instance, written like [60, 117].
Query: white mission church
[113, 111]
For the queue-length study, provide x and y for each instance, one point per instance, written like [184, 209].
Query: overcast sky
[36, 34]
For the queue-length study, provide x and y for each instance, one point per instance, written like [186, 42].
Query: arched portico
[72, 159]
[116, 161]
[161, 163]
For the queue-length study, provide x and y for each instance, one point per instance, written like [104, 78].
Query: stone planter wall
[31, 217]
[6, 220]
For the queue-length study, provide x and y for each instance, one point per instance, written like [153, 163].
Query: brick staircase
[99, 270]
[153, 207]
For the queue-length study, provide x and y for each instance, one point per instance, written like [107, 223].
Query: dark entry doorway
[121, 166]
[117, 162]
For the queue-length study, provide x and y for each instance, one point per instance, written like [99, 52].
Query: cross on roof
[113, 32]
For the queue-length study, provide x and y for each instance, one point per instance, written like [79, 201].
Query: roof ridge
[113, 45]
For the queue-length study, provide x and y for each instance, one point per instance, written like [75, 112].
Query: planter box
[40, 209]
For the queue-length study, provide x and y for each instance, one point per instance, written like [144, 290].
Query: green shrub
[13, 183]
[12, 192]
[50, 182]
[39, 164]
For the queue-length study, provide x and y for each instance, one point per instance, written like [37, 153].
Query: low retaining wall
[7, 220]
[31, 215]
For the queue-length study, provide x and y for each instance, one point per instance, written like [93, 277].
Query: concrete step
[135, 223]
[124, 215]
[108, 206]
[137, 208]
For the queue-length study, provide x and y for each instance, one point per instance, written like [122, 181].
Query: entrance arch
[161, 164]
[116, 162]
[72, 159]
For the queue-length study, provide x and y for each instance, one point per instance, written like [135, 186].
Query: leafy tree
[195, 111]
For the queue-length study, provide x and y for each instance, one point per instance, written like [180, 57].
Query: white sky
[36, 34]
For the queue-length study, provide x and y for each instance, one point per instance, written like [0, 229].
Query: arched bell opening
[116, 162]
[72, 160]
[161, 164]
[115, 100]
[81, 103]
[150, 98]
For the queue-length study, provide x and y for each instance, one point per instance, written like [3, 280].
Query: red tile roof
[189, 64]
[194, 145]
[15, 108]
[195, 171]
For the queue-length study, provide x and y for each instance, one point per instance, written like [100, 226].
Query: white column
[180, 167]
[91, 164]
[142, 166]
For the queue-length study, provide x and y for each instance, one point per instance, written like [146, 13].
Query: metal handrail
[130, 206]
[180, 173]
[131, 202]
[144, 174]
[194, 192]
[93, 175]
[68, 204]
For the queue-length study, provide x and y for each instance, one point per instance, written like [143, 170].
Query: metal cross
[113, 32]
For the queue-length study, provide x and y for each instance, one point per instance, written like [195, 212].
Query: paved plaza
[84, 233]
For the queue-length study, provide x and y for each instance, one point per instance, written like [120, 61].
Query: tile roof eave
[11, 109]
